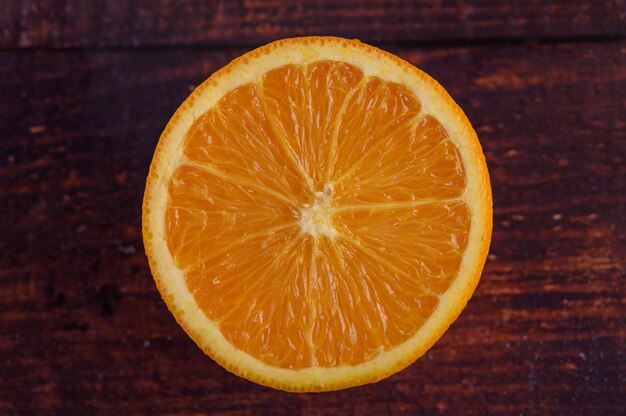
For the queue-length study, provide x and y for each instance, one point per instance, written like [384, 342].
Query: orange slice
[317, 213]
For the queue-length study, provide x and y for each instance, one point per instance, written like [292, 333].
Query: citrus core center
[315, 219]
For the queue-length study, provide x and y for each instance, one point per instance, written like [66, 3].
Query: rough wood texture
[82, 327]
[121, 23]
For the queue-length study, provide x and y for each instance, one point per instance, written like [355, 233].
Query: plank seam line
[427, 44]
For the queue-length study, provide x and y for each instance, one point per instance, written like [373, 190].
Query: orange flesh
[318, 215]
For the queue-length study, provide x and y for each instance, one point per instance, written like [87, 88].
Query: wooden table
[86, 88]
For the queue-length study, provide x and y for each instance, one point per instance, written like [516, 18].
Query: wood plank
[82, 328]
[119, 23]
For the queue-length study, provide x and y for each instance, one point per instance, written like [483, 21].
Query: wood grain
[82, 327]
[120, 23]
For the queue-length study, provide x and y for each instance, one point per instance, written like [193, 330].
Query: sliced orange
[317, 213]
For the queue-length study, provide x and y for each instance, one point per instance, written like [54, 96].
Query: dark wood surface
[87, 87]
[123, 23]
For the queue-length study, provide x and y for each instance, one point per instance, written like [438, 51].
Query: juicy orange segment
[303, 102]
[235, 137]
[318, 216]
